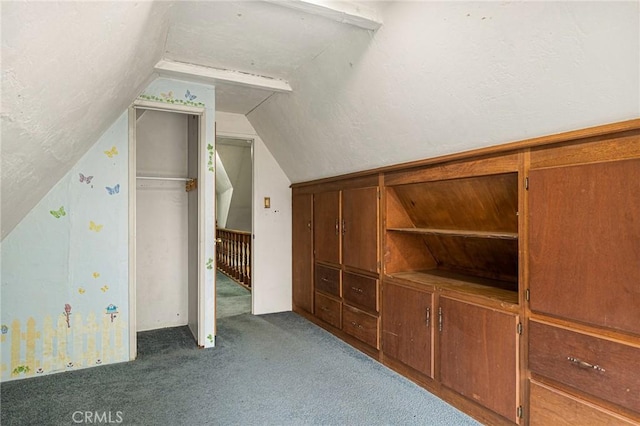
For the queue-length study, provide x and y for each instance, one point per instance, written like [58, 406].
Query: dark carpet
[231, 298]
[276, 369]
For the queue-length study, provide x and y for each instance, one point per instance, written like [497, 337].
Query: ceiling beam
[345, 12]
[220, 76]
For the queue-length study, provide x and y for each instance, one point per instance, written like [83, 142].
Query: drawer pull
[324, 308]
[356, 289]
[355, 324]
[325, 279]
[428, 316]
[584, 364]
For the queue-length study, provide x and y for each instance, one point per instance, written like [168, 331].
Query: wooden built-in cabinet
[479, 355]
[504, 280]
[407, 326]
[302, 252]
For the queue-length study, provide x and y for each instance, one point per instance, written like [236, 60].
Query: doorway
[234, 227]
[166, 215]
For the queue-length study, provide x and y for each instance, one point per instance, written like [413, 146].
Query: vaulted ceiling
[435, 78]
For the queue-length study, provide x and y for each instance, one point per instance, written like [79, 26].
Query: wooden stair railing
[234, 255]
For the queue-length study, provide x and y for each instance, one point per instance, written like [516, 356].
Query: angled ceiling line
[211, 75]
[344, 12]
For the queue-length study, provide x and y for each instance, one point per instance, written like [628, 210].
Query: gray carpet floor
[276, 369]
[231, 298]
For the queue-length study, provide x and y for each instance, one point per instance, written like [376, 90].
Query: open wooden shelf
[502, 291]
[459, 233]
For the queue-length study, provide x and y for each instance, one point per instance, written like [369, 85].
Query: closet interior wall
[166, 220]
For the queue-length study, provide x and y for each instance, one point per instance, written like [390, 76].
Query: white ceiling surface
[69, 69]
[444, 77]
[437, 77]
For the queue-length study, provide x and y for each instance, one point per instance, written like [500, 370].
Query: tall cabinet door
[407, 321]
[327, 226]
[302, 252]
[478, 354]
[360, 228]
[584, 243]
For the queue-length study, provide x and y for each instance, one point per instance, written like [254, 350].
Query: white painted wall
[162, 222]
[444, 77]
[271, 272]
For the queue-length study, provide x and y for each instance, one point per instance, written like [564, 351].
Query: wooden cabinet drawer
[328, 310]
[549, 406]
[360, 291]
[602, 368]
[360, 325]
[328, 280]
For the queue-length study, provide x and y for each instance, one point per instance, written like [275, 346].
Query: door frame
[252, 141]
[180, 109]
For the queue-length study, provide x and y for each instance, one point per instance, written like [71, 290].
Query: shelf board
[458, 233]
[460, 283]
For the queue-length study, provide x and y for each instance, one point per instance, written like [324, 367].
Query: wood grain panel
[326, 227]
[406, 252]
[360, 241]
[565, 356]
[360, 325]
[549, 406]
[605, 148]
[407, 324]
[327, 280]
[479, 355]
[476, 167]
[328, 310]
[484, 203]
[361, 291]
[584, 251]
[489, 258]
[302, 248]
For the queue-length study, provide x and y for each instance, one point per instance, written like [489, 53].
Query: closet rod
[163, 178]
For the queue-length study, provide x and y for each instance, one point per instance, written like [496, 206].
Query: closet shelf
[458, 233]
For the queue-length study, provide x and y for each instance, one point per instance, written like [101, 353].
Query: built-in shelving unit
[456, 234]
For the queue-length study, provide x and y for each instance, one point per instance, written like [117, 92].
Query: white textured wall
[443, 77]
[271, 273]
[162, 218]
[69, 69]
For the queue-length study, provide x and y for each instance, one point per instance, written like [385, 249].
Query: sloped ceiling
[69, 70]
[444, 77]
[437, 77]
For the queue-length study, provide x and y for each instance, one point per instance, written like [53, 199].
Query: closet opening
[166, 285]
[234, 225]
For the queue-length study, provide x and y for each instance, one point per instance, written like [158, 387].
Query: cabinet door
[326, 229]
[478, 355]
[407, 319]
[302, 252]
[360, 231]
[584, 243]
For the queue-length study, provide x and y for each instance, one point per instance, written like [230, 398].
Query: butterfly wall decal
[81, 290]
[95, 227]
[114, 190]
[104, 288]
[84, 178]
[110, 153]
[96, 274]
[167, 95]
[58, 213]
[189, 95]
